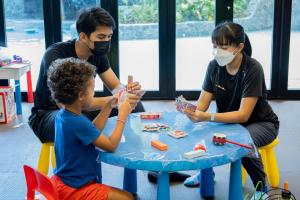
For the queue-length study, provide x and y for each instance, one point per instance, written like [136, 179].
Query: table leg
[163, 186]
[207, 187]
[18, 97]
[129, 181]
[235, 184]
[29, 87]
[99, 172]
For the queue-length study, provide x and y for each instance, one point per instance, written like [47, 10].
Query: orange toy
[159, 145]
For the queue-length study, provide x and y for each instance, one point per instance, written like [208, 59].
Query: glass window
[194, 25]
[258, 24]
[25, 33]
[294, 70]
[138, 40]
[69, 12]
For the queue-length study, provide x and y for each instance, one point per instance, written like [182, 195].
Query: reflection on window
[194, 24]
[294, 71]
[69, 12]
[25, 33]
[258, 24]
[138, 37]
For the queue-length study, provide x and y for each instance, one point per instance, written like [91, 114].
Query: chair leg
[264, 158]
[43, 163]
[244, 175]
[30, 194]
[53, 161]
[272, 170]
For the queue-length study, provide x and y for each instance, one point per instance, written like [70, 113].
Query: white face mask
[223, 57]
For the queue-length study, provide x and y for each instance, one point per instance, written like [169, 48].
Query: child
[71, 82]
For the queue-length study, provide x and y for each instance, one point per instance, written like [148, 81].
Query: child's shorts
[90, 191]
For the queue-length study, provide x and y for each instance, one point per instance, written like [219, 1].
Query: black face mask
[101, 48]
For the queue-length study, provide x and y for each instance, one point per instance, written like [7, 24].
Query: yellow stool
[44, 160]
[270, 164]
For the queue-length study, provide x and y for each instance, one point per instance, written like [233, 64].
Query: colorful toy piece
[150, 115]
[200, 147]
[194, 154]
[177, 134]
[220, 139]
[159, 145]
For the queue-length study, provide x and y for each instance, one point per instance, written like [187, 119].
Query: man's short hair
[89, 19]
[68, 77]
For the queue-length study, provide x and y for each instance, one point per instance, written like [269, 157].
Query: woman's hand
[197, 116]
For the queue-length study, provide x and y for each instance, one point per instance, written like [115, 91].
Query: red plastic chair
[39, 182]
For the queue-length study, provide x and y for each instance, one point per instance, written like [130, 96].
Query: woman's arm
[204, 100]
[241, 116]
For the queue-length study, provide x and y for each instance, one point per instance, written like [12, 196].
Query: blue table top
[135, 150]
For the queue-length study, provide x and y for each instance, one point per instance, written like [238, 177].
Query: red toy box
[7, 104]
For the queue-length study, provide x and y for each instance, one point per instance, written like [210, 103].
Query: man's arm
[112, 82]
[110, 79]
[98, 103]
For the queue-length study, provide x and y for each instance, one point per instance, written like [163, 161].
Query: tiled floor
[18, 146]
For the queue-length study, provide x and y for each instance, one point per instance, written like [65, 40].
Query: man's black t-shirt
[43, 100]
[229, 90]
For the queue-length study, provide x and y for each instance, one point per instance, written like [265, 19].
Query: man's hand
[133, 99]
[197, 116]
[134, 86]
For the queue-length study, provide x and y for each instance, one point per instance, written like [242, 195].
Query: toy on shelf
[7, 104]
[220, 139]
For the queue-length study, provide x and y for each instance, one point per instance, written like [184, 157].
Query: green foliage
[195, 10]
[146, 11]
[240, 8]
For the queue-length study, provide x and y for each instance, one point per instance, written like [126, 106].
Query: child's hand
[125, 108]
[112, 102]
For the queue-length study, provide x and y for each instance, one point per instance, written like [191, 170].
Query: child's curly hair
[67, 78]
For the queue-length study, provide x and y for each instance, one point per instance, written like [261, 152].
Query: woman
[237, 83]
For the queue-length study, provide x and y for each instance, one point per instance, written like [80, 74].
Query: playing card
[177, 134]
[155, 127]
[181, 104]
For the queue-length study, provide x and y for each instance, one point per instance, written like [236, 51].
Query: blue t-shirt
[75, 153]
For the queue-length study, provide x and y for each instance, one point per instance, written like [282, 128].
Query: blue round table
[136, 153]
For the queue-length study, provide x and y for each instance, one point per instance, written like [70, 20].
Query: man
[95, 28]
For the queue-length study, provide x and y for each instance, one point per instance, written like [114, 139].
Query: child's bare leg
[117, 194]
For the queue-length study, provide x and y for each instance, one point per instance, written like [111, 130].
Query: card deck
[182, 104]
